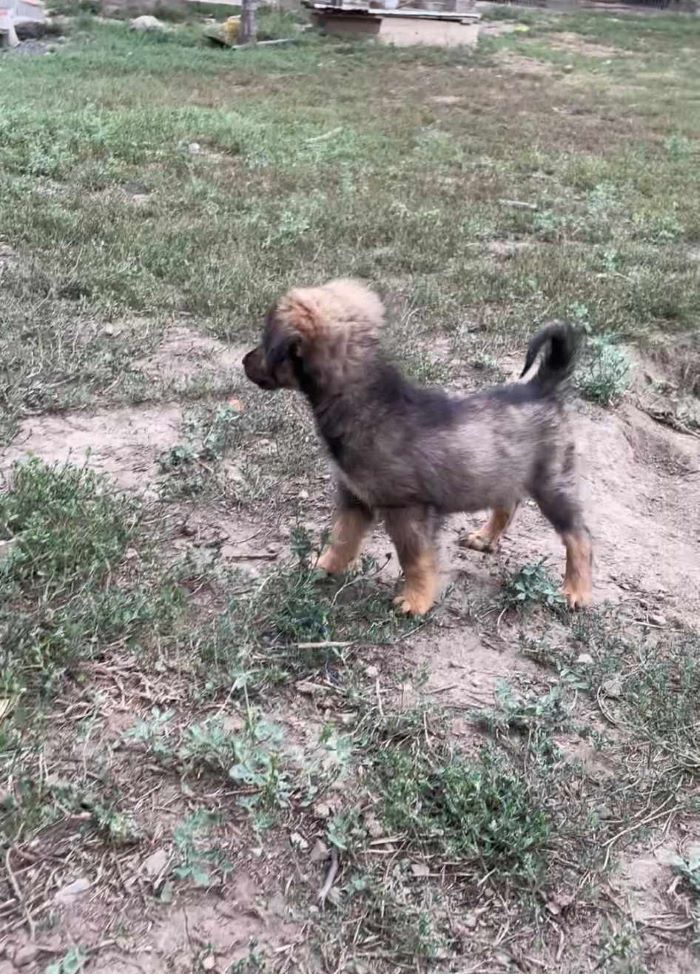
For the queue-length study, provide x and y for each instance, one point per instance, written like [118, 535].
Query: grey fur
[409, 453]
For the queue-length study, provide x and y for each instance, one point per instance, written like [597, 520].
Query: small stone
[420, 869]
[559, 903]
[6, 548]
[146, 23]
[320, 851]
[374, 826]
[323, 810]
[612, 688]
[658, 620]
[208, 963]
[372, 672]
[310, 689]
[25, 955]
[236, 405]
[194, 149]
[303, 495]
[154, 864]
[297, 841]
[585, 659]
[70, 893]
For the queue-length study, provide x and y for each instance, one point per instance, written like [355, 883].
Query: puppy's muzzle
[256, 369]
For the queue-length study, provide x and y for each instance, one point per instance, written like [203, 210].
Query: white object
[14, 13]
[144, 23]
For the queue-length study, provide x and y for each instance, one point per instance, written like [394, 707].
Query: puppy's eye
[279, 350]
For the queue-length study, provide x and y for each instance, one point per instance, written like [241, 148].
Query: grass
[265, 721]
[410, 198]
[478, 812]
[606, 374]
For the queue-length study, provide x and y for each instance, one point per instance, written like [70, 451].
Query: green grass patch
[472, 812]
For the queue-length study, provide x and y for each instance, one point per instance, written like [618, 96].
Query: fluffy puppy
[412, 455]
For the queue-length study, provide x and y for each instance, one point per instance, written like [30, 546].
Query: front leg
[352, 520]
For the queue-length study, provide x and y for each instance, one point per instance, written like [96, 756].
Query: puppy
[412, 455]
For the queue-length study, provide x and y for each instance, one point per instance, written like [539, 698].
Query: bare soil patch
[579, 45]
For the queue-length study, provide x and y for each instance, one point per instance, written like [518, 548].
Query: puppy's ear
[302, 314]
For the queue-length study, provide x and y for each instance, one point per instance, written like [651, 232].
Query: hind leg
[413, 531]
[352, 520]
[488, 536]
[562, 509]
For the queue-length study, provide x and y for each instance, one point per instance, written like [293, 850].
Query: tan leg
[420, 586]
[489, 535]
[577, 581]
[348, 530]
[413, 532]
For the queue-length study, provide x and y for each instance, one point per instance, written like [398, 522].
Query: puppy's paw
[478, 541]
[413, 603]
[332, 563]
[577, 597]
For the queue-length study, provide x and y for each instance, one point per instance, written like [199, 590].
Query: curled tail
[559, 360]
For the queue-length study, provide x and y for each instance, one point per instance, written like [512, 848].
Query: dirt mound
[123, 443]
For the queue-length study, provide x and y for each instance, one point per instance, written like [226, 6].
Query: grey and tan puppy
[411, 454]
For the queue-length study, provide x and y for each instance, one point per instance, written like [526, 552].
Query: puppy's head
[315, 339]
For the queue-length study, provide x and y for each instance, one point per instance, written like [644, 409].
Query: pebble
[146, 23]
[297, 841]
[319, 853]
[154, 864]
[25, 955]
[613, 688]
[69, 894]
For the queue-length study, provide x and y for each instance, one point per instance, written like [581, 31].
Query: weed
[66, 526]
[689, 870]
[253, 758]
[63, 597]
[480, 813]
[534, 717]
[605, 373]
[254, 963]
[198, 860]
[295, 604]
[210, 432]
[407, 925]
[531, 585]
[73, 960]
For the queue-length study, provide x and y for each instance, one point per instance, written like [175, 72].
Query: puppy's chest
[354, 484]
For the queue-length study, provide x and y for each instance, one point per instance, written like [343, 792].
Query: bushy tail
[559, 360]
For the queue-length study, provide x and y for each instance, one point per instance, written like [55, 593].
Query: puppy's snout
[255, 369]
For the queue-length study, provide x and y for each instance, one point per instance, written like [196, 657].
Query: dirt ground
[642, 501]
